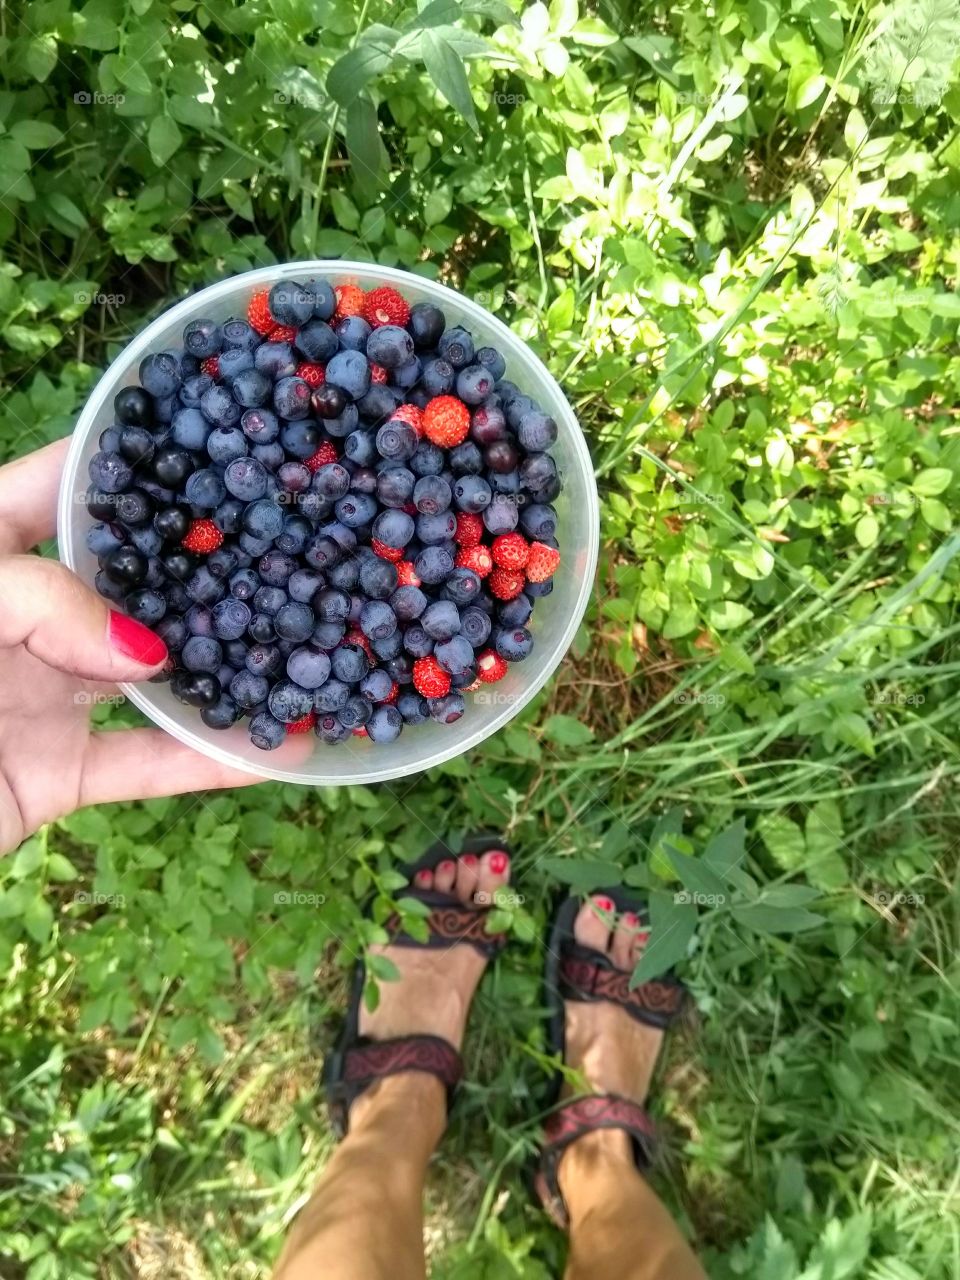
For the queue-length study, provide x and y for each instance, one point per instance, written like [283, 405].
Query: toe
[621, 950]
[445, 875]
[467, 877]
[423, 879]
[493, 872]
[641, 938]
[593, 925]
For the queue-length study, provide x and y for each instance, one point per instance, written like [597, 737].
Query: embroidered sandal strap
[587, 975]
[351, 1072]
[449, 923]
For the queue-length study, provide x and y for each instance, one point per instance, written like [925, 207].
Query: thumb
[44, 606]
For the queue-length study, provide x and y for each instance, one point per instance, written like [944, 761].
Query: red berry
[349, 301]
[356, 636]
[326, 453]
[542, 563]
[378, 374]
[203, 536]
[385, 306]
[505, 584]
[510, 551]
[410, 414]
[384, 552]
[211, 366]
[469, 529]
[490, 667]
[406, 574]
[361, 732]
[471, 688]
[282, 333]
[258, 313]
[476, 558]
[393, 694]
[429, 678]
[446, 421]
[304, 724]
[312, 374]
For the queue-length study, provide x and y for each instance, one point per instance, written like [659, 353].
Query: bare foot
[435, 988]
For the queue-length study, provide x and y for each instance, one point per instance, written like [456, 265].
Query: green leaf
[566, 731]
[362, 135]
[35, 134]
[867, 529]
[41, 56]
[767, 919]
[582, 873]
[349, 75]
[437, 205]
[783, 839]
[936, 514]
[931, 481]
[673, 923]
[445, 68]
[163, 138]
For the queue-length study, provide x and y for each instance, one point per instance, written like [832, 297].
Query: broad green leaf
[784, 840]
[445, 68]
[586, 874]
[35, 134]
[931, 481]
[163, 138]
[567, 731]
[673, 923]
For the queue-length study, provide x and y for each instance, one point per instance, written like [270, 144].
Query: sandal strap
[581, 1116]
[351, 1073]
[587, 976]
[448, 924]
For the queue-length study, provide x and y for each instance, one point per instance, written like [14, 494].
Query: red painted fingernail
[499, 863]
[469, 859]
[605, 904]
[134, 640]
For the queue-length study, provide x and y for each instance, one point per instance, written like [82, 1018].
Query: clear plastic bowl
[556, 617]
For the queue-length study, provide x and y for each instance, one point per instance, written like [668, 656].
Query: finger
[137, 764]
[66, 625]
[28, 497]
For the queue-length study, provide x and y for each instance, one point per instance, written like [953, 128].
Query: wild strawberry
[476, 558]
[471, 688]
[326, 453]
[211, 366]
[349, 301]
[282, 333]
[505, 584]
[542, 563]
[406, 574]
[446, 421]
[378, 374]
[312, 374]
[203, 536]
[361, 732]
[258, 313]
[385, 306]
[490, 667]
[429, 678]
[304, 724]
[410, 414]
[384, 552]
[469, 529]
[356, 636]
[510, 551]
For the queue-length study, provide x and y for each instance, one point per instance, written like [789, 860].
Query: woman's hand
[60, 644]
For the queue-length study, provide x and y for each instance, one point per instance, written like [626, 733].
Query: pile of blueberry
[336, 513]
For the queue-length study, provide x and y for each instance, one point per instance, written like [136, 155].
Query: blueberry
[441, 620]
[537, 431]
[245, 479]
[195, 688]
[462, 586]
[163, 410]
[538, 520]
[397, 440]
[395, 486]
[385, 724]
[433, 565]
[471, 493]
[160, 374]
[331, 695]
[330, 730]
[263, 519]
[432, 530]
[456, 347]
[356, 509]
[379, 403]
[474, 384]
[352, 333]
[350, 371]
[348, 663]
[172, 631]
[134, 508]
[327, 635]
[501, 456]
[515, 408]
[269, 599]
[238, 333]
[377, 620]
[147, 606]
[345, 574]
[475, 625]
[275, 360]
[135, 445]
[501, 516]
[360, 448]
[133, 407]
[513, 643]
[466, 459]
[251, 389]
[416, 641]
[288, 702]
[408, 374]
[235, 362]
[205, 488]
[413, 708]
[504, 482]
[394, 528]
[203, 588]
[455, 655]
[293, 538]
[389, 346]
[408, 603]
[103, 538]
[110, 590]
[110, 472]
[538, 589]
[264, 659]
[231, 617]
[291, 398]
[378, 578]
[290, 303]
[437, 376]
[294, 621]
[431, 495]
[202, 653]
[515, 612]
[344, 424]
[308, 667]
[355, 712]
[249, 690]
[222, 714]
[428, 459]
[426, 324]
[316, 341]
[219, 407]
[109, 441]
[448, 709]
[400, 668]
[376, 685]
[324, 299]
[198, 620]
[224, 444]
[202, 338]
[275, 568]
[300, 437]
[266, 732]
[223, 561]
[492, 360]
[271, 455]
[146, 539]
[125, 565]
[260, 426]
[332, 605]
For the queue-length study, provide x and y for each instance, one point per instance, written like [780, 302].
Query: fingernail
[134, 640]
[498, 863]
[604, 904]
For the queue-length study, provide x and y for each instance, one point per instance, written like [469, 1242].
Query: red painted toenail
[469, 859]
[630, 920]
[498, 863]
[605, 904]
[422, 878]
[644, 937]
[446, 865]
